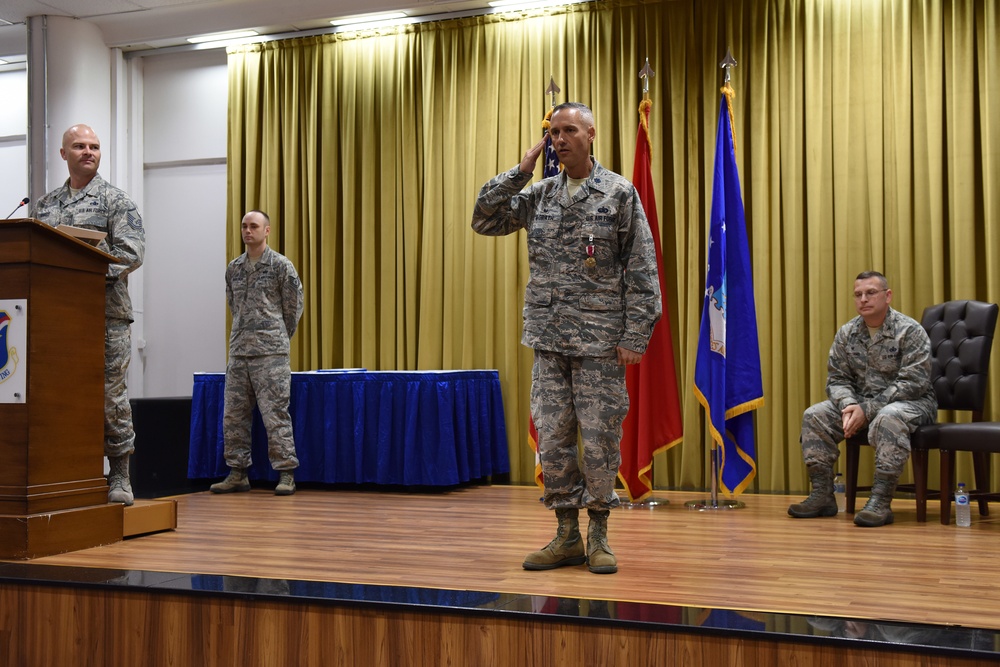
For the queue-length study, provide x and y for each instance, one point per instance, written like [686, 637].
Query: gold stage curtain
[868, 136]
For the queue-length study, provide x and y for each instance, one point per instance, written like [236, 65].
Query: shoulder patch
[134, 219]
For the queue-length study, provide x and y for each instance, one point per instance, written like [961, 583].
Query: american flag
[551, 166]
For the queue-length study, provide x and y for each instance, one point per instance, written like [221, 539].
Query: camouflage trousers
[585, 393]
[264, 381]
[119, 437]
[888, 433]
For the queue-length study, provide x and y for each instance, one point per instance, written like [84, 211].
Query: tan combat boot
[566, 548]
[286, 484]
[120, 488]
[876, 511]
[821, 502]
[600, 558]
[235, 482]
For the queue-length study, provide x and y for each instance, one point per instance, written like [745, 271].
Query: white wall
[182, 98]
[78, 90]
[185, 108]
[13, 141]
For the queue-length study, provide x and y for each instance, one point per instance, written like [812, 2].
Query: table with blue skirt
[424, 428]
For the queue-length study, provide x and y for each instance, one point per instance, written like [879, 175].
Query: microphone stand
[16, 208]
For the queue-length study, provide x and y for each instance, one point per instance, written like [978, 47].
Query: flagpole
[652, 502]
[714, 502]
[550, 167]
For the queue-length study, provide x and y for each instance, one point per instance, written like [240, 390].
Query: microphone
[23, 202]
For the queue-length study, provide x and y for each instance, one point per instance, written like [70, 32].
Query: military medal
[590, 262]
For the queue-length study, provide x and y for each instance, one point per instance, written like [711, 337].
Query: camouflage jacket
[105, 208]
[894, 366]
[571, 305]
[266, 302]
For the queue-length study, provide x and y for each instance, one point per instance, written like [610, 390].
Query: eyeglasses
[868, 293]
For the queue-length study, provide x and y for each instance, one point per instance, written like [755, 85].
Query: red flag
[654, 421]
[533, 441]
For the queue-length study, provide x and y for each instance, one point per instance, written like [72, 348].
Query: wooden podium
[53, 494]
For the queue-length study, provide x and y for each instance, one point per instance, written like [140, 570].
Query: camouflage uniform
[105, 208]
[576, 315]
[266, 302]
[889, 376]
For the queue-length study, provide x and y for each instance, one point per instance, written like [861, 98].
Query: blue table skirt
[357, 427]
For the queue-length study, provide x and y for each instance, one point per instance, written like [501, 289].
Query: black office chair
[961, 334]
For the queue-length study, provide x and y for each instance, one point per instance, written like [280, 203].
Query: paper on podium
[91, 236]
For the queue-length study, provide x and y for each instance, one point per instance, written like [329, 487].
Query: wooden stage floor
[755, 559]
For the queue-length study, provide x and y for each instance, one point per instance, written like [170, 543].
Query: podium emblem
[13, 340]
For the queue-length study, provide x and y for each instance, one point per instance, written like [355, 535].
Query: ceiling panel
[142, 24]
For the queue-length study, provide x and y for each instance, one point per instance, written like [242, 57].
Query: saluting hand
[531, 157]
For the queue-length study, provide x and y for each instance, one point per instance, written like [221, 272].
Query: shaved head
[82, 151]
[72, 133]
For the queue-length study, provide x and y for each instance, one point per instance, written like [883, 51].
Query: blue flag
[727, 379]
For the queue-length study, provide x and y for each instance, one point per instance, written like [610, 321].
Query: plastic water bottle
[962, 515]
[839, 492]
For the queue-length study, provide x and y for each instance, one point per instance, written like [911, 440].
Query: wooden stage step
[150, 516]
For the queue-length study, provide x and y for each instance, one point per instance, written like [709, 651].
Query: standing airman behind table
[265, 298]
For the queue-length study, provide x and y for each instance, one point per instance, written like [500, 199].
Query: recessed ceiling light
[222, 36]
[518, 5]
[369, 18]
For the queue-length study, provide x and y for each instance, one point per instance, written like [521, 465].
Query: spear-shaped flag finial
[552, 90]
[727, 64]
[644, 74]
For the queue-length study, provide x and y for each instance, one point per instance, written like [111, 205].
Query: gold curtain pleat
[868, 136]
